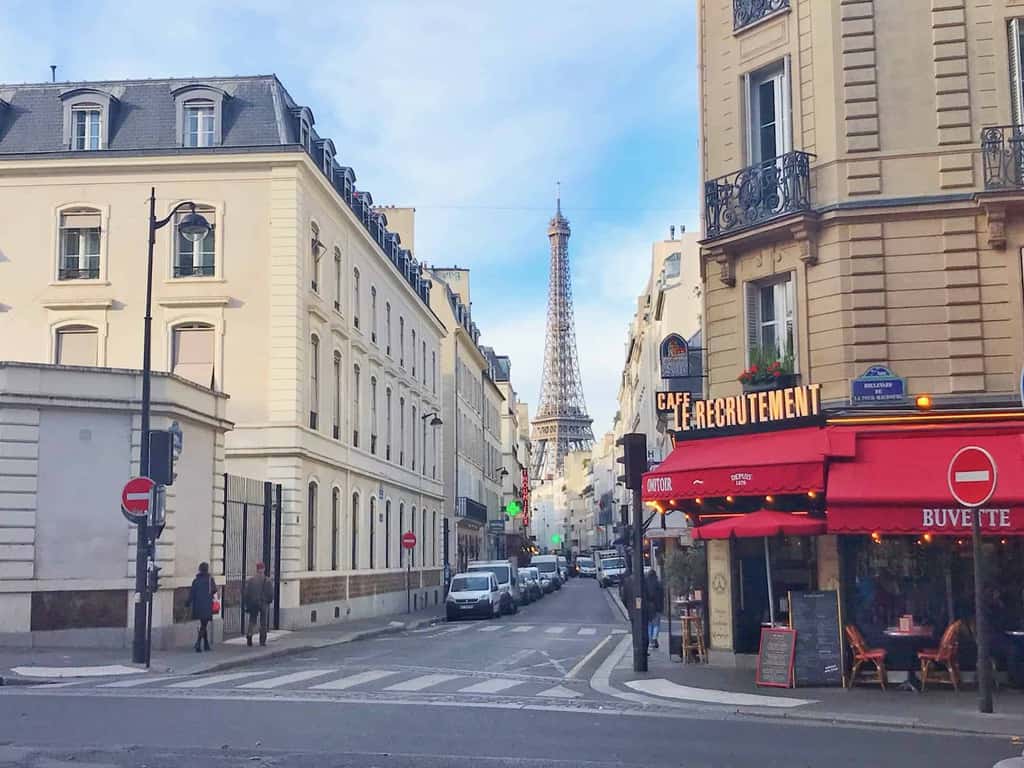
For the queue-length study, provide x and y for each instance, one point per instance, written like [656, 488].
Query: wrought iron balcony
[193, 270]
[757, 194]
[747, 12]
[471, 510]
[76, 273]
[1002, 156]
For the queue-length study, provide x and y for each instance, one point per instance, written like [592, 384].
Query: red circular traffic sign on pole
[408, 539]
[135, 497]
[972, 476]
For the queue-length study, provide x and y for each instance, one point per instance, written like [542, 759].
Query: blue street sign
[878, 385]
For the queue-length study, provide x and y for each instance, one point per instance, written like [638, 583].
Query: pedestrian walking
[655, 594]
[200, 599]
[257, 595]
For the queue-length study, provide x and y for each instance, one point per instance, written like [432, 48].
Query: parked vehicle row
[494, 587]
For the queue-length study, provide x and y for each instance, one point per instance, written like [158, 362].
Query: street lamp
[194, 227]
[435, 420]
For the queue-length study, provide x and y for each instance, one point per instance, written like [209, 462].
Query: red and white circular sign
[408, 539]
[972, 476]
[135, 496]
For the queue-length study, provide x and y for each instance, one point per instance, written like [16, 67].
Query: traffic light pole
[637, 609]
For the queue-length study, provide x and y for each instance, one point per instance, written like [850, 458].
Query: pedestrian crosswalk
[557, 629]
[323, 680]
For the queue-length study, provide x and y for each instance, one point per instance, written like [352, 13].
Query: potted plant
[767, 370]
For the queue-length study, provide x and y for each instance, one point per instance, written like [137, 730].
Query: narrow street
[510, 691]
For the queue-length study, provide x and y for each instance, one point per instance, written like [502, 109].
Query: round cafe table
[904, 645]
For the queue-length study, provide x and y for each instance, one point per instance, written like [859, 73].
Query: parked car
[525, 594]
[473, 594]
[563, 568]
[548, 567]
[532, 582]
[586, 567]
[610, 570]
[505, 572]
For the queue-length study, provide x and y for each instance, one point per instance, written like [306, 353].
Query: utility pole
[634, 461]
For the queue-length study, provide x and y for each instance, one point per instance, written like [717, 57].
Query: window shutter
[77, 347]
[753, 310]
[1016, 95]
[789, 319]
[193, 355]
[786, 107]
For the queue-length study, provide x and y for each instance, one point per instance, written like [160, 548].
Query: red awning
[786, 461]
[765, 522]
[896, 480]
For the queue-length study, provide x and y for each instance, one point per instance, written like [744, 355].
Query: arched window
[387, 424]
[311, 527]
[373, 314]
[79, 244]
[413, 422]
[316, 252]
[413, 352]
[423, 367]
[373, 532]
[401, 341]
[401, 431]
[387, 533]
[355, 531]
[433, 537]
[355, 406]
[373, 415]
[192, 352]
[76, 345]
[337, 279]
[355, 297]
[336, 404]
[387, 328]
[401, 530]
[412, 527]
[314, 381]
[335, 527]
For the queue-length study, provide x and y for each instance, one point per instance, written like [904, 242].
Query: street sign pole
[637, 608]
[408, 543]
[972, 478]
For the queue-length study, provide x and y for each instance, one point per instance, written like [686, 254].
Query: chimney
[53, 73]
[671, 231]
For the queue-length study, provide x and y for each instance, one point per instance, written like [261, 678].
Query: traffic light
[154, 576]
[633, 459]
[161, 457]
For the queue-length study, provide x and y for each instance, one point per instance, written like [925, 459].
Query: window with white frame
[311, 527]
[355, 406]
[387, 328]
[412, 525]
[423, 443]
[401, 341]
[387, 533]
[423, 366]
[401, 530]
[77, 345]
[413, 334]
[87, 126]
[314, 381]
[373, 415]
[337, 279]
[355, 297]
[79, 245]
[373, 314]
[767, 96]
[401, 431]
[354, 554]
[192, 353]
[335, 527]
[771, 318]
[433, 371]
[433, 455]
[387, 424]
[414, 436]
[316, 252]
[373, 533]
[199, 123]
[195, 258]
[336, 405]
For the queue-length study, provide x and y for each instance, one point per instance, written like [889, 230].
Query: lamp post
[435, 421]
[194, 227]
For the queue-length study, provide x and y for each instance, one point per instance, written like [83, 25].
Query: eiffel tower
[561, 424]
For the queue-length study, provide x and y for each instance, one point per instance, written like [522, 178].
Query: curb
[276, 653]
[617, 602]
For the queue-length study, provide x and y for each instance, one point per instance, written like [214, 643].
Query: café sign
[961, 519]
[751, 409]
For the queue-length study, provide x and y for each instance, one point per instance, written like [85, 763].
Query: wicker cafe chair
[945, 655]
[863, 655]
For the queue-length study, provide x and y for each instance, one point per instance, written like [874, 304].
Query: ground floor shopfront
[897, 547]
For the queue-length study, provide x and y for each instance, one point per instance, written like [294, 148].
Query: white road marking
[294, 677]
[670, 690]
[587, 631]
[202, 682]
[559, 692]
[554, 630]
[342, 683]
[524, 628]
[62, 685]
[491, 628]
[62, 672]
[135, 681]
[583, 662]
[419, 683]
[491, 686]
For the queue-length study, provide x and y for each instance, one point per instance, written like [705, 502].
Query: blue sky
[469, 111]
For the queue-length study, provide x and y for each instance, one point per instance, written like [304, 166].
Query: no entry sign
[972, 476]
[135, 498]
[408, 539]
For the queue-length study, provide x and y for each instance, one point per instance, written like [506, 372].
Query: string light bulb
[769, 499]
[812, 494]
[729, 499]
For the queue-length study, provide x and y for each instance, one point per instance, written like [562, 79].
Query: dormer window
[86, 118]
[304, 123]
[199, 123]
[327, 158]
[199, 110]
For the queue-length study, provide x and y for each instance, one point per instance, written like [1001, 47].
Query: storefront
[897, 546]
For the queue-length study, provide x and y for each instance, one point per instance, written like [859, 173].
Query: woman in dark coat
[200, 598]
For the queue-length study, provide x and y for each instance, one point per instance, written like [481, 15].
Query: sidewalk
[673, 683]
[38, 665]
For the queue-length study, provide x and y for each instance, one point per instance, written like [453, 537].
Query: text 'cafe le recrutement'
[896, 544]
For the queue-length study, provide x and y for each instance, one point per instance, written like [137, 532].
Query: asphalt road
[507, 692]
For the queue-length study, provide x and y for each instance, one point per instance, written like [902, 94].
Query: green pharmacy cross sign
[513, 508]
[556, 538]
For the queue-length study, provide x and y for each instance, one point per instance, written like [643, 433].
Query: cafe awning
[780, 462]
[895, 480]
[758, 525]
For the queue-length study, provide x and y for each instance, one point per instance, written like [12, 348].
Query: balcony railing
[747, 12]
[471, 510]
[1002, 155]
[76, 273]
[193, 270]
[757, 194]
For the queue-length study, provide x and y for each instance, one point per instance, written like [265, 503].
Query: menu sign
[751, 409]
[819, 644]
[775, 657]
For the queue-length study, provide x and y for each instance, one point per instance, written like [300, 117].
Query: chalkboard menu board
[775, 657]
[819, 644]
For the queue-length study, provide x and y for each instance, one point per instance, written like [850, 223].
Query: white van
[547, 565]
[508, 581]
[611, 570]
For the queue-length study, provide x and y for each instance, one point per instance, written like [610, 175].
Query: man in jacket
[655, 594]
[257, 595]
